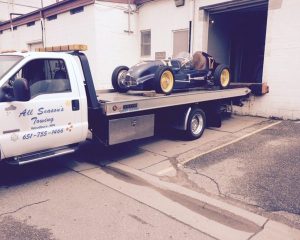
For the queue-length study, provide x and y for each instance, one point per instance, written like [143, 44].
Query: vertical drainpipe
[193, 25]
[43, 28]
[11, 25]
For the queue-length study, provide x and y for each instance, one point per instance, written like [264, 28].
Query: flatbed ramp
[114, 103]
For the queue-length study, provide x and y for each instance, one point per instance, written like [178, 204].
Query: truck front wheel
[196, 124]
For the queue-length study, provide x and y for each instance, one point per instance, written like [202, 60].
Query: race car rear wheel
[222, 76]
[164, 80]
[118, 77]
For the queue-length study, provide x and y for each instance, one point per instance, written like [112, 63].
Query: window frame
[52, 17]
[178, 31]
[77, 10]
[30, 24]
[147, 44]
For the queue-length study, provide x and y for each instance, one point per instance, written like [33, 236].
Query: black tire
[218, 76]
[191, 133]
[115, 79]
[158, 78]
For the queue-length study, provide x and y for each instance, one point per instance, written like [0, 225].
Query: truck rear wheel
[164, 80]
[118, 78]
[222, 76]
[196, 124]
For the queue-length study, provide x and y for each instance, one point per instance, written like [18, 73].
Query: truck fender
[181, 120]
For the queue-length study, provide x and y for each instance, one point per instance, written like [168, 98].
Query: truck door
[51, 118]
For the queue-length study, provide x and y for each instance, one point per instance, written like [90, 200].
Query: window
[32, 46]
[76, 10]
[180, 41]
[53, 17]
[146, 43]
[45, 76]
[30, 24]
[7, 62]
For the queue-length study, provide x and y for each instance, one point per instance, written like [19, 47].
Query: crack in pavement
[181, 176]
[262, 228]
[25, 206]
[140, 220]
[212, 179]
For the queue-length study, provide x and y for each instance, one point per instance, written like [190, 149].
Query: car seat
[199, 61]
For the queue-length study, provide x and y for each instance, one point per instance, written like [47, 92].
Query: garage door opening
[236, 37]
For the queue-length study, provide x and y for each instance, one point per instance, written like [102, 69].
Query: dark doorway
[237, 38]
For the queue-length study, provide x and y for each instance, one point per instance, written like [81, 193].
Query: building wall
[162, 17]
[113, 46]
[19, 38]
[100, 26]
[282, 60]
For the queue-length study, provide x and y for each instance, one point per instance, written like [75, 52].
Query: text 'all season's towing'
[48, 105]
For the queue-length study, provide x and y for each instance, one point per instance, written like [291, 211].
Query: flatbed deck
[114, 103]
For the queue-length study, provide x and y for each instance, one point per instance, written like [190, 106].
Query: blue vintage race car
[164, 76]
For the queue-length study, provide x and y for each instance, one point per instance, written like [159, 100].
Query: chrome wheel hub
[197, 124]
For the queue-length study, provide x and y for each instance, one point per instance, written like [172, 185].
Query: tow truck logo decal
[41, 117]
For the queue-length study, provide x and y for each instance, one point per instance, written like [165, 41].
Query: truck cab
[43, 104]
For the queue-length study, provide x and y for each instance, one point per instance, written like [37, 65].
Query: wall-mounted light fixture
[179, 3]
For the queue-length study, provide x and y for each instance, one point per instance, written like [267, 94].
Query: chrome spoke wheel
[121, 78]
[197, 124]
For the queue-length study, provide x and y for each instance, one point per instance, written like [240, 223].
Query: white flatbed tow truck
[48, 105]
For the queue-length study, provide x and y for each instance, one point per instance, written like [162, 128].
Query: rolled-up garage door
[237, 5]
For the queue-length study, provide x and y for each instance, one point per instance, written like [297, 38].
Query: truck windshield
[7, 62]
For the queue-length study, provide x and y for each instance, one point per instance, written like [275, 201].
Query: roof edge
[56, 8]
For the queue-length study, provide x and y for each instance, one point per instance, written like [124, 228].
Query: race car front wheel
[118, 78]
[222, 76]
[164, 80]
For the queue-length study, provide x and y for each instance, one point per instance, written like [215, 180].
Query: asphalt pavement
[261, 170]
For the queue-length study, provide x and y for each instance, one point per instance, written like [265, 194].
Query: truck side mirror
[21, 90]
